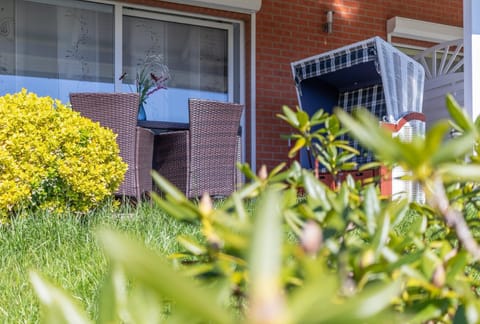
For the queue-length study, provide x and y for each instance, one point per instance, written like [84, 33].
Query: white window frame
[247, 6]
[178, 19]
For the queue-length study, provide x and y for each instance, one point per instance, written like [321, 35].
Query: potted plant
[151, 77]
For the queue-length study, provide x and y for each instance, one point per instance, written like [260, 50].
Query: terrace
[242, 52]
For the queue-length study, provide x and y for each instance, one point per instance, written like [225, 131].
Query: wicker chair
[118, 111]
[202, 159]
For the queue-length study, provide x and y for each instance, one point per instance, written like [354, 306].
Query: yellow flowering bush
[53, 159]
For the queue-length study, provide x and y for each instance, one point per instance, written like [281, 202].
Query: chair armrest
[144, 158]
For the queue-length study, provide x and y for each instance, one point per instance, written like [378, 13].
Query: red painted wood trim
[395, 127]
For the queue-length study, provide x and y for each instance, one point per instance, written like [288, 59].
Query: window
[196, 53]
[54, 47]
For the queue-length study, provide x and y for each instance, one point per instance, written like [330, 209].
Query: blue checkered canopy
[363, 64]
[371, 74]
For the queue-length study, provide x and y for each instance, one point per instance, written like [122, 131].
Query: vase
[141, 112]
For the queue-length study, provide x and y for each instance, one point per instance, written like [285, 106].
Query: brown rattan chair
[202, 159]
[118, 111]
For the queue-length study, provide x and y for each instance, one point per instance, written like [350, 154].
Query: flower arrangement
[151, 77]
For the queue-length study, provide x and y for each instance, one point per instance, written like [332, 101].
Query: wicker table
[159, 127]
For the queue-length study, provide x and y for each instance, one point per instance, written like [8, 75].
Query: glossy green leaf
[281, 177]
[333, 124]
[376, 298]
[458, 172]
[149, 269]
[249, 190]
[294, 222]
[458, 114]
[348, 166]
[350, 181]
[190, 245]
[59, 308]
[314, 188]
[477, 124]
[265, 260]
[456, 266]
[167, 187]
[430, 311]
[239, 207]
[372, 209]
[453, 149]
[305, 302]
[366, 129]
[344, 157]
[299, 144]
[289, 116]
[460, 316]
[410, 154]
[314, 304]
[227, 219]
[342, 199]
[303, 120]
[435, 136]
[113, 296]
[317, 138]
[197, 269]
[404, 261]
[346, 147]
[385, 226]
[277, 169]
[176, 210]
[401, 211]
[267, 238]
[142, 307]
[319, 115]
[472, 312]
[430, 261]
[247, 171]
[233, 240]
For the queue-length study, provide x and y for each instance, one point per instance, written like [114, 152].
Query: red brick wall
[289, 30]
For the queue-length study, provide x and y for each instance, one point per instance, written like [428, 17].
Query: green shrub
[341, 255]
[53, 159]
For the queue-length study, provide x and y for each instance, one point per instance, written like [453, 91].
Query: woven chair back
[117, 111]
[213, 146]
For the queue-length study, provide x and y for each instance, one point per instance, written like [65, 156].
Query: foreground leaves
[286, 248]
[155, 282]
[58, 306]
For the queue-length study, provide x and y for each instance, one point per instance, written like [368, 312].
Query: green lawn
[65, 250]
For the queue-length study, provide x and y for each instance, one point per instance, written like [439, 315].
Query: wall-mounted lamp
[328, 26]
